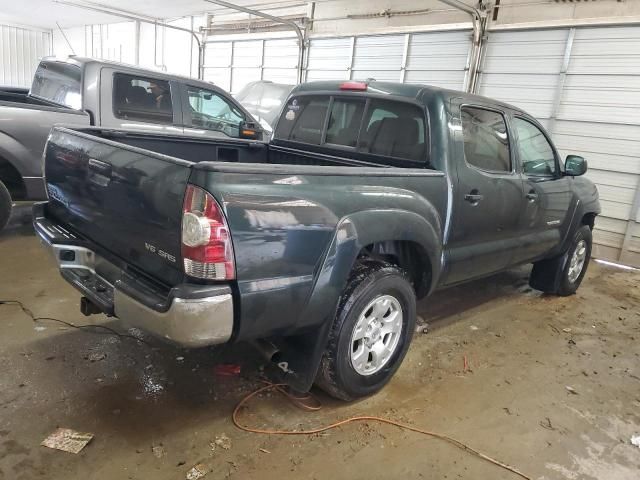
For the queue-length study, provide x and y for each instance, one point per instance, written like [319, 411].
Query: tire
[559, 275]
[371, 287]
[5, 206]
[582, 239]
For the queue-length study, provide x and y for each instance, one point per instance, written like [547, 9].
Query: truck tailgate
[126, 200]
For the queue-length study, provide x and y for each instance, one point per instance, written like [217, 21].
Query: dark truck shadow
[121, 386]
[124, 387]
[444, 306]
[20, 221]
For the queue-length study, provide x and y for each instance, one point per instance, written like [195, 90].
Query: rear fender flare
[14, 153]
[355, 232]
[352, 234]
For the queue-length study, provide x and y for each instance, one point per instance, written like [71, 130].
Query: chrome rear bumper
[190, 315]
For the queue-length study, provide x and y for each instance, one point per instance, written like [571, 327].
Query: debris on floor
[197, 472]
[226, 370]
[158, 451]
[635, 440]
[422, 328]
[222, 441]
[67, 440]
[96, 356]
[571, 390]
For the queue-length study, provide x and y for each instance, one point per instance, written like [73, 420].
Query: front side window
[486, 143]
[303, 120]
[142, 99]
[536, 154]
[212, 111]
[59, 83]
[394, 129]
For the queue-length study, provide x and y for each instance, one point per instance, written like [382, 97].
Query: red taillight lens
[207, 251]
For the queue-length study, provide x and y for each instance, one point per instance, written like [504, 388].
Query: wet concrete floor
[155, 409]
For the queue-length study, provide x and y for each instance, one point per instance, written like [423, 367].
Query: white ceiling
[45, 13]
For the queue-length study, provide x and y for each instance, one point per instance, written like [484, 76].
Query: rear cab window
[59, 83]
[142, 99]
[366, 129]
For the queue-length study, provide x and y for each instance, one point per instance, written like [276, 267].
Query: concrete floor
[523, 350]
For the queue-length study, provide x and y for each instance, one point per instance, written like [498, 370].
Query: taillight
[356, 86]
[207, 250]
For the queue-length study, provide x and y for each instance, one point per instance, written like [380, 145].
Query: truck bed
[127, 202]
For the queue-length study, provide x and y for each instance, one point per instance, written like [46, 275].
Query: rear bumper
[188, 315]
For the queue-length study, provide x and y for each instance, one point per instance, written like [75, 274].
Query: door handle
[473, 197]
[532, 196]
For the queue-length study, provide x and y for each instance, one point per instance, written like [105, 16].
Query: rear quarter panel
[296, 235]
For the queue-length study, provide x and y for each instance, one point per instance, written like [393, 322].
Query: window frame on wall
[504, 115]
[524, 118]
[356, 153]
[173, 94]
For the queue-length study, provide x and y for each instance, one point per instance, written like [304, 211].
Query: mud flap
[547, 274]
[299, 357]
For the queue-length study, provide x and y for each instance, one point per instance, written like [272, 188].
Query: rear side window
[142, 99]
[394, 129]
[59, 83]
[486, 143]
[303, 120]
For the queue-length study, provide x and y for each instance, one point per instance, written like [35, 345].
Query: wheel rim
[576, 264]
[376, 335]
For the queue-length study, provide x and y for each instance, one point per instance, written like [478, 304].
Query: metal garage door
[233, 64]
[584, 84]
[20, 52]
[435, 58]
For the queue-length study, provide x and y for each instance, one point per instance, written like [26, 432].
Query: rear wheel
[371, 332]
[5, 205]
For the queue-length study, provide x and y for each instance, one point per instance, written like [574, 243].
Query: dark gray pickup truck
[369, 196]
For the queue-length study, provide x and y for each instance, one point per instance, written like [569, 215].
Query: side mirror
[575, 165]
[250, 131]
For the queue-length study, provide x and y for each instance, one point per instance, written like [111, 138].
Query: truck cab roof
[412, 91]
[83, 62]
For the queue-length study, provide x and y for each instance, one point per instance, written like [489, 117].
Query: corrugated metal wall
[233, 64]
[436, 58]
[20, 51]
[584, 85]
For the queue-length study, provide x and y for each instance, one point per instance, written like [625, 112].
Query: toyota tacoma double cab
[79, 91]
[369, 196]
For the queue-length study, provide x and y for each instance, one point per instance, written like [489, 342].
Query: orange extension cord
[298, 402]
